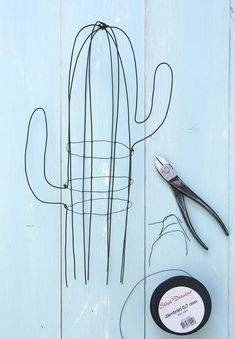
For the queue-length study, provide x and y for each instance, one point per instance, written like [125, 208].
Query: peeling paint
[232, 14]
[96, 309]
[106, 333]
[226, 133]
[193, 128]
[105, 172]
[84, 310]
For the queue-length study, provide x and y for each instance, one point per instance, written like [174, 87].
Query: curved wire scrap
[88, 145]
[163, 232]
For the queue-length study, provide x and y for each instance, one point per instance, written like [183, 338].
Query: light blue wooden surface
[197, 39]
[231, 167]
[30, 237]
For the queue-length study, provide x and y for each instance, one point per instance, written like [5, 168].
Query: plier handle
[180, 189]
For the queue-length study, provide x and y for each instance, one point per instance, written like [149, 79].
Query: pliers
[180, 189]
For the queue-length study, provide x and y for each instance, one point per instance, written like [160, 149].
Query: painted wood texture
[197, 39]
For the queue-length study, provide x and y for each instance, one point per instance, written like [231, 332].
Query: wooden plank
[193, 38]
[231, 171]
[30, 239]
[93, 311]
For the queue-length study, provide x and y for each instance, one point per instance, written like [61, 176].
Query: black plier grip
[180, 189]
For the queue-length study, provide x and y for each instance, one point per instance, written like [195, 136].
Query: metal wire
[83, 149]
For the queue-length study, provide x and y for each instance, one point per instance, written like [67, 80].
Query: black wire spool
[99, 147]
[181, 305]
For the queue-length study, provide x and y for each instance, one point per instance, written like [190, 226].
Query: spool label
[181, 309]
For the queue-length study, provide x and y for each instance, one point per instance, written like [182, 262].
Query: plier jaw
[164, 168]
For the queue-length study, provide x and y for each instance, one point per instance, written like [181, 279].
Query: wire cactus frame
[86, 150]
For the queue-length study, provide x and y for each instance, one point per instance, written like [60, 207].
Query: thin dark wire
[92, 157]
[153, 90]
[45, 177]
[114, 138]
[70, 87]
[135, 67]
[162, 235]
[135, 118]
[65, 246]
[103, 177]
[100, 199]
[88, 189]
[164, 232]
[111, 174]
[100, 157]
[140, 122]
[113, 149]
[152, 102]
[125, 231]
[44, 159]
[69, 161]
[164, 227]
[137, 284]
[70, 80]
[84, 160]
[114, 142]
[130, 153]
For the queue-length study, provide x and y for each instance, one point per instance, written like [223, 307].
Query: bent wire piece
[167, 229]
[89, 144]
[180, 189]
